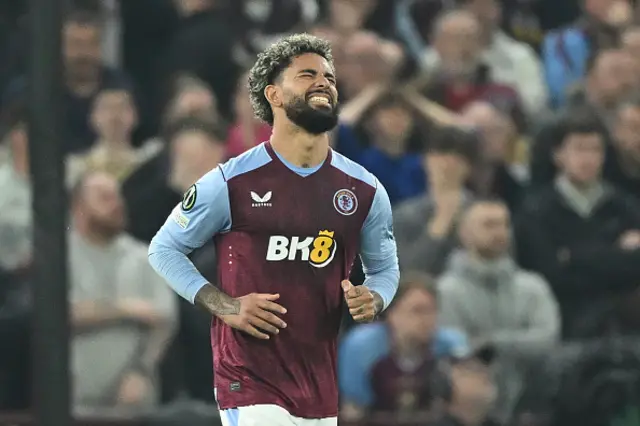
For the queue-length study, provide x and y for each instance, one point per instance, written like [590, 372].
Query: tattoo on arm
[217, 302]
[378, 303]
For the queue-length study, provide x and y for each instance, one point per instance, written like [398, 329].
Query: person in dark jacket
[581, 233]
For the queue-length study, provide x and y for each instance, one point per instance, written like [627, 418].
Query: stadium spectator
[85, 75]
[484, 294]
[425, 226]
[117, 301]
[611, 78]
[510, 62]
[581, 234]
[194, 146]
[395, 365]
[622, 166]
[113, 118]
[566, 52]
[499, 171]
[203, 45]
[15, 193]
[473, 396]
[457, 73]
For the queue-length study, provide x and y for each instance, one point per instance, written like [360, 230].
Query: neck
[82, 89]
[20, 167]
[299, 147]
[582, 186]
[114, 143]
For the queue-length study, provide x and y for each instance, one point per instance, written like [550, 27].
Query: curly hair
[275, 59]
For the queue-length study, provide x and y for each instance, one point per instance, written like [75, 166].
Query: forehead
[482, 211]
[309, 61]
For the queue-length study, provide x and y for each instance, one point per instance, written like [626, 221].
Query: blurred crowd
[506, 132]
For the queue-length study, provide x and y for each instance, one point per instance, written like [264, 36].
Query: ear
[273, 94]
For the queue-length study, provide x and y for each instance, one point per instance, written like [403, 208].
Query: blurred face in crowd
[193, 154]
[413, 317]
[486, 230]
[487, 12]
[114, 115]
[613, 76]
[360, 62]
[350, 15]
[627, 133]
[307, 93]
[82, 51]
[100, 205]
[446, 170]
[392, 124]
[458, 43]
[580, 157]
[496, 129]
[193, 100]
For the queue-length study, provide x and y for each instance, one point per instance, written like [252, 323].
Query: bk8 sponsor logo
[319, 251]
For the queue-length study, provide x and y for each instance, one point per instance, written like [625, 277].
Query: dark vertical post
[51, 385]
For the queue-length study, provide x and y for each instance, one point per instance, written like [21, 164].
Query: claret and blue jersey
[287, 230]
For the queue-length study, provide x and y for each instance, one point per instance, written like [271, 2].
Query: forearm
[89, 315]
[216, 301]
[383, 285]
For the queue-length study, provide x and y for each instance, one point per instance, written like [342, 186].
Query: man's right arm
[204, 212]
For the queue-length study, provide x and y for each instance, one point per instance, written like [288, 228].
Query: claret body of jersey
[295, 232]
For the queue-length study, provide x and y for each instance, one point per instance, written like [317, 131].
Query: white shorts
[269, 415]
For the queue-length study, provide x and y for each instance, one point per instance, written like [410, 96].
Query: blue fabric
[403, 177]
[564, 54]
[365, 345]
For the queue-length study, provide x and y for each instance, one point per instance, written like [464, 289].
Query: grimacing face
[307, 92]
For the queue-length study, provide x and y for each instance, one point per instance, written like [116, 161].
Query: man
[484, 294]
[117, 301]
[511, 62]
[426, 226]
[85, 75]
[611, 76]
[581, 234]
[15, 193]
[288, 218]
[393, 366]
[458, 73]
[114, 117]
[622, 167]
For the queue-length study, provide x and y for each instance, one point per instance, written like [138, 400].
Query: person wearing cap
[501, 307]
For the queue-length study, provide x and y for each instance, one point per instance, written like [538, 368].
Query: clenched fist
[363, 303]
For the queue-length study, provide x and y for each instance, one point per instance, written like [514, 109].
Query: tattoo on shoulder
[217, 302]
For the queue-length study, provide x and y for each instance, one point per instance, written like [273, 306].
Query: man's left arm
[378, 251]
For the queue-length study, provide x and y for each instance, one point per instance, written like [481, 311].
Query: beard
[313, 120]
[107, 228]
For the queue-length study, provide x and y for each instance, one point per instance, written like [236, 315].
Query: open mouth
[320, 99]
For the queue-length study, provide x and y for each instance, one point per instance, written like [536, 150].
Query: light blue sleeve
[358, 353]
[204, 212]
[378, 250]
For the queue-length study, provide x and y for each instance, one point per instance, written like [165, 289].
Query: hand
[363, 304]
[255, 312]
[630, 240]
[133, 389]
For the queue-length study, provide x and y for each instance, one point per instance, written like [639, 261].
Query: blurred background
[507, 133]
